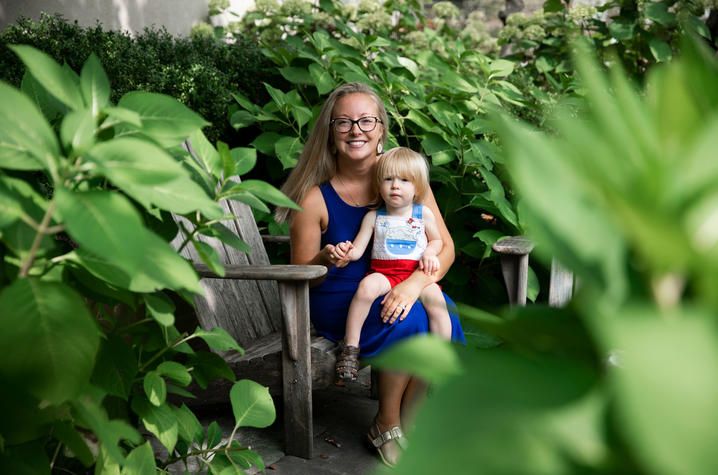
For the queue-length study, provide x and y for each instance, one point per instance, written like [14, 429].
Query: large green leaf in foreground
[49, 339]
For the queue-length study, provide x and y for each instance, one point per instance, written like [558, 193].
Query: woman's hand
[339, 255]
[400, 299]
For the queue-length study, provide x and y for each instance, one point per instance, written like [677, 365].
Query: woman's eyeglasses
[366, 124]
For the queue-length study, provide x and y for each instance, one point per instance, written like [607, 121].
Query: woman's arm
[305, 231]
[407, 292]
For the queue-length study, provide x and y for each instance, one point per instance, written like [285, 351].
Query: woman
[332, 182]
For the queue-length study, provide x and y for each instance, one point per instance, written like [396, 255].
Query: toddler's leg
[370, 288]
[435, 305]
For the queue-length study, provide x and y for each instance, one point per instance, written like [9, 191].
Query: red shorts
[395, 270]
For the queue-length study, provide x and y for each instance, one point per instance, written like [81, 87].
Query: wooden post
[514, 252]
[296, 369]
[561, 285]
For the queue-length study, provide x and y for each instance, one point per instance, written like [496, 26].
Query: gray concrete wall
[178, 16]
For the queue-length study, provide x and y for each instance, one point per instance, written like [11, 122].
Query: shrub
[87, 273]
[200, 72]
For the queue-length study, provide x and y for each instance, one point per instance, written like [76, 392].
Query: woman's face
[356, 144]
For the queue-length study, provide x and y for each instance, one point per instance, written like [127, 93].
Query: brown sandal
[347, 363]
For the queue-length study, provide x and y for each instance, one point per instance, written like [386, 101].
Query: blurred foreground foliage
[623, 380]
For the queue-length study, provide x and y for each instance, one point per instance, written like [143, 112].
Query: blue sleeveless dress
[329, 301]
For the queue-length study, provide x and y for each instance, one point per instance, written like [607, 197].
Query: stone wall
[177, 16]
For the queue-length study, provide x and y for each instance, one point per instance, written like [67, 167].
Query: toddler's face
[397, 192]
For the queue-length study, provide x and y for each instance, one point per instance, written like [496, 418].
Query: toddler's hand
[429, 264]
[339, 255]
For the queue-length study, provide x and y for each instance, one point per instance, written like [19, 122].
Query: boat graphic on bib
[400, 241]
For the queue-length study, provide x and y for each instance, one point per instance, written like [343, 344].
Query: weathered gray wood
[247, 303]
[515, 245]
[514, 252]
[276, 238]
[275, 272]
[296, 369]
[560, 286]
[514, 268]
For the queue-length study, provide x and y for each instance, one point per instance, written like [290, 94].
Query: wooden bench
[265, 308]
[514, 254]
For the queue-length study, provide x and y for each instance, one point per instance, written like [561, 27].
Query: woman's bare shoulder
[313, 209]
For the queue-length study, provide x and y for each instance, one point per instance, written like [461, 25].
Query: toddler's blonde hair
[404, 163]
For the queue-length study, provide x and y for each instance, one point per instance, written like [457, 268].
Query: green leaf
[321, 79]
[221, 232]
[161, 308]
[241, 119]
[277, 95]
[27, 141]
[25, 458]
[301, 114]
[115, 368]
[109, 432]
[433, 143]
[658, 12]
[553, 6]
[248, 199]
[245, 103]
[446, 115]
[455, 81]
[287, 150]
[251, 404]
[423, 121]
[107, 225]
[409, 65]
[123, 115]
[189, 426]
[518, 400]
[428, 357]
[207, 154]
[501, 68]
[660, 50]
[15, 196]
[244, 160]
[175, 371]
[497, 195]
[668, 355]
[140, 460]
[163, 118]
[694, 24]
[545, 63]
[265, 142]
[160, 421]
[209, 366]
[69, 436]
[78, 131]
[50, 107]
[622, 29]
[442, 158]
[209, 256]
[95, 85]
[53, 77]
[226, 159]
[151, 176]
[134, 162]
[155, 388]
[50, 337]
[218, 339]
[296, 75]
[214, 435]
[266, 192]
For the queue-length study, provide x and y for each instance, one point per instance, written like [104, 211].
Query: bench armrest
[269, 272]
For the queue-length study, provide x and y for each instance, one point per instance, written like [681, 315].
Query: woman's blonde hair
[404, 163]
[317, 163]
